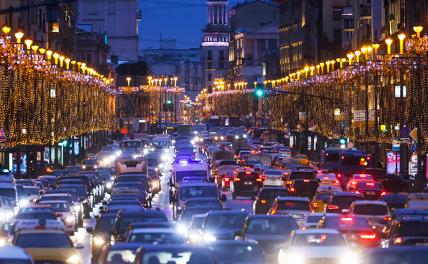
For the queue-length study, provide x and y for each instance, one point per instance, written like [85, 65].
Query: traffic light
[343, 141]
[260, 92]
[169, 101]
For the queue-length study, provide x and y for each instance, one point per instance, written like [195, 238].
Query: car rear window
[246, 175]
[343, 202]
[370, 209]
[293, 205]
[301, 175]
[345, 222]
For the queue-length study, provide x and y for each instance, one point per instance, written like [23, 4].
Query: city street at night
[214, 132]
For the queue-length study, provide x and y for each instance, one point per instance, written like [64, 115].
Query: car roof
[12, 252]
[197, 183]
[262, 216]
[317, 231]
[153, 230]
[338, 194]
[289, 198]
[368, 202]
[234, 242]
[227, 212]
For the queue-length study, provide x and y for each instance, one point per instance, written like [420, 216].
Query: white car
[376, 211]
[327, 179]
[273, 177]
[317, 246]
[65, 213]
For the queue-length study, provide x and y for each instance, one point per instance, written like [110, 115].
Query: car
[317, 246]
[90, 164]
[63, 211]
[48, 246]
[270, 232]
[313, 219]
[369, 189]
[327, 178]
[127, 217]
[14, 255]
[356, 229]
[406, 211]
[36, 219]
[173, 254]
[222, 225]
[155, 236]
[395, 200]
[246, 183]
[339, 201]
[417, 201]
[407, 230]
[266, 196]
[102, 232]
[376, 211]
[304, 188]
[273, 177]
[402, 255]
[297, 207]
[193, 230]
[237, 252]
[123, 253]
[203, 202]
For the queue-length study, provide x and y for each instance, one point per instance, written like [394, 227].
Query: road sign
[360, 115]
[396, 145]
[414, 134]
[413, 165]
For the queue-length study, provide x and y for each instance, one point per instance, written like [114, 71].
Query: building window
[89, 58]
[209, 77]
[337, 13]
[209, 55]
[337, 36]
[348, 35]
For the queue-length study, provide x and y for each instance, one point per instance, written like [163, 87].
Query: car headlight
[109, 185]
[349, 257]
[194, 238]
[290, 258]
[9, 215]
[99, 241]
[76, 208]
[181, 228]
[69, 219]
[160, 166]
[95, 166]
[84, 167]
[23, 202]
[209, 237]
[74, 259]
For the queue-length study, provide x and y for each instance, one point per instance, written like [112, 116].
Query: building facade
[170, 61]
[254, 42]
[215, 43]
[118, 20]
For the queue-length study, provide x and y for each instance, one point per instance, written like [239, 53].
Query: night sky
[182, 20]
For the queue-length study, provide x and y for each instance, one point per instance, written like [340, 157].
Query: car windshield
[59, 207]
[105, 224]
[272, 194]
[127, 220]
[413, 229]
[293, 205]
[41, 240]
[158, 238]
[185, 256]
[197, 222]
[271, 226]
[313, 219]
[344, 222]
[273, 172]
[189, 212]
[331, 157]
[8, 193]
[237, 253]
[36, 215]
[188, 192]
[397, 257]
[90, 162]
[199, 203]
[30, 191]
[301, 175]
[318, 240]
[55, 198]
[219, 221]
[344, 202]
[370, 209]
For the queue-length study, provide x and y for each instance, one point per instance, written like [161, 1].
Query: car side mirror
[90, 230]
[223, 198]
[79, 246]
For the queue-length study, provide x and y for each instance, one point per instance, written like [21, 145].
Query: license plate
[371, 193]
[248, 183]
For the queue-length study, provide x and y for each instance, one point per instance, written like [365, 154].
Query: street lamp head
[19, 35]
[388, 41]
[6, 29]
[35, 48]
[364, 49]
[401, 36]
[28, 43]
[128, 79]
[350, 55]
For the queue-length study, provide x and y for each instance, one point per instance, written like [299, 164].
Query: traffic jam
[230, 195]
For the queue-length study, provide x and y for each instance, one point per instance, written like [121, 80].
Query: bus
[345, 162]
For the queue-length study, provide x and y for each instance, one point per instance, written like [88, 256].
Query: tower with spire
[215, 43]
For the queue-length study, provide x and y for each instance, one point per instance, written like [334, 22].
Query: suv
[341, 200]
[407, 230]
[304, 188]
[265, 197]
[246, 183]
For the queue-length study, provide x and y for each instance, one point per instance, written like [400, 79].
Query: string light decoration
[44, 103]
[365, 83]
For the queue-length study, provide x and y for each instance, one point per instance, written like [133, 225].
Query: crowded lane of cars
[228, 196]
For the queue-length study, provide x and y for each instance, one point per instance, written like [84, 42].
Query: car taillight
[237, 180]
[333, 207]
[292, 189]
[383, 194]
[369, 236]
[398, 240]
[273, 211]
[346, 219]
[263, 201]
[226, 179]
[305, 180]
[339, 175]
[357, 192]
[387, 218]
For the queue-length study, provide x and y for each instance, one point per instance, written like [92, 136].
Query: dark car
[396, 255]
[407, 230]
[304, 188]
[341, 200]
[123, 253]
[174, 254]
[265, 197]
[101, 233]
[237, 252]
[408, 211]
[222, 225]
[89, 164]
[369, 190]
[127, 217]
[270, 231]
[394, 200]
[355, 229]
[246, 183]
